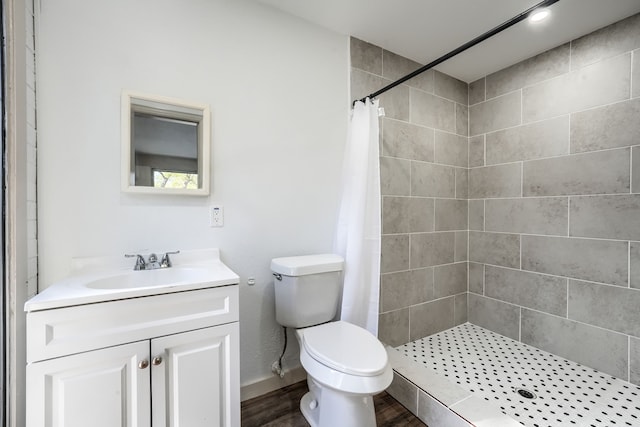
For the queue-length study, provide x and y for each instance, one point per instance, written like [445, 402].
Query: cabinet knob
[143, 364]
[156, 360]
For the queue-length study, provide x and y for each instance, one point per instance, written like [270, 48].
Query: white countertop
[76, 289]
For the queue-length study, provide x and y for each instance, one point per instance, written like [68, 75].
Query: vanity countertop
[105, 279]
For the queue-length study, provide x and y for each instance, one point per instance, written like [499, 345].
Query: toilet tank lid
[307, 264]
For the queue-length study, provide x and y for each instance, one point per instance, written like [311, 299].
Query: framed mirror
[165, 145]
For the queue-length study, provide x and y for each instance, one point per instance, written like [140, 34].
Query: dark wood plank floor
[280, 408]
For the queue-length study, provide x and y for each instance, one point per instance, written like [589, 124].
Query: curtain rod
[522, 16]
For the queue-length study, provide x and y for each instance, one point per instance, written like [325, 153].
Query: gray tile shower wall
[554, 177]
[533, 230]
[424, 185]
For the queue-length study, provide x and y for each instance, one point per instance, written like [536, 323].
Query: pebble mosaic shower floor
[532, 386]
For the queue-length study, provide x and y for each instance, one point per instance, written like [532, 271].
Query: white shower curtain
[358, 230]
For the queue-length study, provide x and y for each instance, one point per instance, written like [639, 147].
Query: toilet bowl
[345, 364]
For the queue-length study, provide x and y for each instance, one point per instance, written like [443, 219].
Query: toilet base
[325, 407]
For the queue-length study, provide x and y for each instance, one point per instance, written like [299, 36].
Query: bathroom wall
[277, 87]
[423, 166]
[554, 209]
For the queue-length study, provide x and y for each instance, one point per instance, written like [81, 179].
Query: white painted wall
[278, 91]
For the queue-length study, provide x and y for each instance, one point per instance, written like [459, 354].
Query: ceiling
[424, 30]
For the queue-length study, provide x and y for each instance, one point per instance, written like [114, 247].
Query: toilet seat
[346, 348]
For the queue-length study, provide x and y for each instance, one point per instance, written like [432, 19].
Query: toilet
[346, 365]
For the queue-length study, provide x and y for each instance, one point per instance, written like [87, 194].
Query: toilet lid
[346, 348]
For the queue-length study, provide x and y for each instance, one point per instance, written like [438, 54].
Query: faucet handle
[152, 262]
[140, 263]
[166, 261]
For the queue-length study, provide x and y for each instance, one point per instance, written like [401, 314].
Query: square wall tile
[597, 348]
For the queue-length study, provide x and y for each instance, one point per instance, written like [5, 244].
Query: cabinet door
[101, 388]
[196, 382]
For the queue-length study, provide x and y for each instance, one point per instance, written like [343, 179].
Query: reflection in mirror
[165, 145]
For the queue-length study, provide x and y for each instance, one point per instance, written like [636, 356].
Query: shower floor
[494, 367]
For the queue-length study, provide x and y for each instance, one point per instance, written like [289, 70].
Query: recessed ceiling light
[539, 15]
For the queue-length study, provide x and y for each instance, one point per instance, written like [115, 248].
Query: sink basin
[101, 279]
[152, 278]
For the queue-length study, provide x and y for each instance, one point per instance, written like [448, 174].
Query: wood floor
[280, 408]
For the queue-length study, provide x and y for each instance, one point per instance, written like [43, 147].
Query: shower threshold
[470, 376]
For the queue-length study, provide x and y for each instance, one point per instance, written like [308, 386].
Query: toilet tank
[307, 289]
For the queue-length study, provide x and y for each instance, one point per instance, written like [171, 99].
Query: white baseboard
[272, 383]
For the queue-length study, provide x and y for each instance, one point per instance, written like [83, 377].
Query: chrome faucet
[140, 263]
[166, 261]
[152, 261]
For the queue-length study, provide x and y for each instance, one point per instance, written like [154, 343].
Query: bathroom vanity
[161, 348]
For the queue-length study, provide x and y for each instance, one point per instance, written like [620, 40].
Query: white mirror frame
[130, 98]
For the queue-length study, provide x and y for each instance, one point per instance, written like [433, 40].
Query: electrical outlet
[216, 216]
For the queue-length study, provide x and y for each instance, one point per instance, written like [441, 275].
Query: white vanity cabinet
[158, 360]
